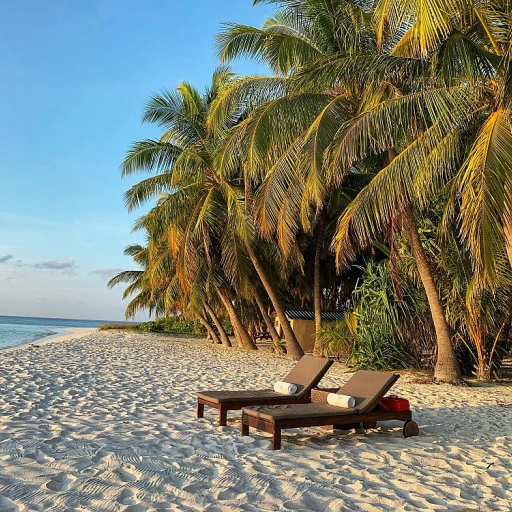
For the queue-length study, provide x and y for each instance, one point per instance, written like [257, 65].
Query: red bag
[395, 404]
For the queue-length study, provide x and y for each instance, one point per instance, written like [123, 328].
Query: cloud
[39, 297]
[9, 279]
[63, 264]
[106, 273]
[70, 272]
[5, 258]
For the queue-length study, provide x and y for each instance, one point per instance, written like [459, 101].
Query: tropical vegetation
[369, 171]
[171, 325]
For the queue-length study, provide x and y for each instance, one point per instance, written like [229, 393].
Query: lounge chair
[367, 387]
[306, 374]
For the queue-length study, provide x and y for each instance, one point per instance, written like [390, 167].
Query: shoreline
[65, 334]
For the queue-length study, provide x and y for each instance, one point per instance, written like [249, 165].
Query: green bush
[339, 338]
[172, 325]
[114, 326]
[379, 344]
[372, 334]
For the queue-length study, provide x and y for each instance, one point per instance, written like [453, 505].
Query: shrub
[379, 344]
[372, 334]
[116, 326]
[172, 325]
[338, 338]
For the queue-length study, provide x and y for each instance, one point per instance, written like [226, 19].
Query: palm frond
[482, 190]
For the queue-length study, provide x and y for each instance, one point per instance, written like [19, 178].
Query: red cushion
[396, 404]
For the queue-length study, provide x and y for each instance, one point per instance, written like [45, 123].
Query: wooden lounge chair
[262, 336]
[367, 387]
[306, 374]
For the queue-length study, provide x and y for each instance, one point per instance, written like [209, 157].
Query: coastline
[65, 334]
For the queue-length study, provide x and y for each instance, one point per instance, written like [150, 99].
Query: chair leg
[411, 429]
[276, 439]
[223, 417]
[244, 430]
[200, 410]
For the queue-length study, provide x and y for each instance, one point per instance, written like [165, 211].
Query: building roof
[328, 315]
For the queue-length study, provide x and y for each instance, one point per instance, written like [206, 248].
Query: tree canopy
[374, 160]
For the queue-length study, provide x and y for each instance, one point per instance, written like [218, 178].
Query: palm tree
[199, 199]
[137, 282]
[311, 43]
[461, 100]
[412, 97]
[287, 132]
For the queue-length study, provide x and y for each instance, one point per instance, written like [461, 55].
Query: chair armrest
[320, 394]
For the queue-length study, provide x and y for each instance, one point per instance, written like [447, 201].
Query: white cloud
[106, 273]
[5, 258]
[65, 263]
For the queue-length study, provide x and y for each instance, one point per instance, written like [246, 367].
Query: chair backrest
[307, 373]
[368, 388]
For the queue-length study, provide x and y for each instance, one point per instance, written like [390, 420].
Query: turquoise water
[18, 330]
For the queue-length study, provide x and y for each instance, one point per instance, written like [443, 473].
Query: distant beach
[19, 330]
[108, 422]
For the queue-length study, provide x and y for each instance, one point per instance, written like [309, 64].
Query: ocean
[18, 330]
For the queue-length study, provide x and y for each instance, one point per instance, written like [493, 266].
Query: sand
[107, 423]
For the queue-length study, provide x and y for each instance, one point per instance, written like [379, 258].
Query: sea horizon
[20, 330]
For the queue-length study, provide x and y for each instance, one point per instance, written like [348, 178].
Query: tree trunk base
[460, 383]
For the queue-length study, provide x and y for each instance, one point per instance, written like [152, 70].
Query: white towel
[341, 400]
[285, 388]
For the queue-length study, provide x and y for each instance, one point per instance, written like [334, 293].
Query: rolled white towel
[341, 400]
[285, 388]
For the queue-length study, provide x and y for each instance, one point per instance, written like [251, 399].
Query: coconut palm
[457, 99]
[408, 111]
[300, 153]
[137, 282]
[375, 109]
[208, 208]
[284, 138]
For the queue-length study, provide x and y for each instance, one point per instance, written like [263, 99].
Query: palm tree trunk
[293, 348]
[243, 336]
[211, 332]
[317, 283]
[508, 229]
[268, 321]
[447, 367]
[215, 319]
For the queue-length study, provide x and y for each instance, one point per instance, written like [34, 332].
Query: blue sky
[75, 78]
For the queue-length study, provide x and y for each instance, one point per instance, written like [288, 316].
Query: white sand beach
[107, 422]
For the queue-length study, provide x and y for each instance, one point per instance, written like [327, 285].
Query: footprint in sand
[136, 508]
[127, 497]
[53, 440]
[6, 505]
[41, 457]
[128, 474]
[61, 482]
[102, 456]
[305, 503]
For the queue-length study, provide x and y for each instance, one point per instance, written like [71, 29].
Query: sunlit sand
[107, 422]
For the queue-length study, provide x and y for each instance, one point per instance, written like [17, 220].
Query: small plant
[371, 334]
[339, 338]
[280, 347]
